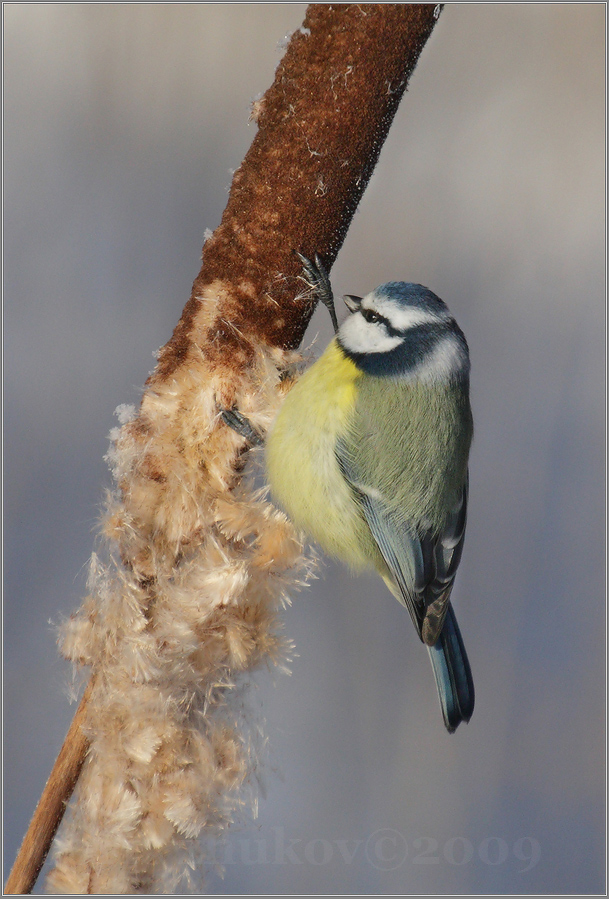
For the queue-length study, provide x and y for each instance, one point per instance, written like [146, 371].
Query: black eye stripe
[372, 317]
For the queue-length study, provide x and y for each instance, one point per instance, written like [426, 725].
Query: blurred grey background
[122, 126]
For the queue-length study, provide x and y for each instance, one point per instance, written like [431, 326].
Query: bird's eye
[370, 316]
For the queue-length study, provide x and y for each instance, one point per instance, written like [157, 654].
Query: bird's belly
[301, 462]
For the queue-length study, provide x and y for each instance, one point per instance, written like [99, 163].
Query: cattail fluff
[181, 608]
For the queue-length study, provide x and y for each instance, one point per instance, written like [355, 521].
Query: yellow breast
[301, 464]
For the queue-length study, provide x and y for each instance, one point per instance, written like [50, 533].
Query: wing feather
[422, 564]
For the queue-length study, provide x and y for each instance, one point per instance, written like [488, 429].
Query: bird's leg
[239, 423]
[317, 278]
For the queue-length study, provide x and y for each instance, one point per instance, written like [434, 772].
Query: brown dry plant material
[184, 599]
[171, 624]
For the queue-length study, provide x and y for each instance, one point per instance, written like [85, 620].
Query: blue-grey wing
[422, 564]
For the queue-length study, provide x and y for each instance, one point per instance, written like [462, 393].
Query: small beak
[352, 303]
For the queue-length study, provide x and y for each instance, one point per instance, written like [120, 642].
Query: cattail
[182, 606]
[195, 563]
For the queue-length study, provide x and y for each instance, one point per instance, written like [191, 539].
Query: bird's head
[404, 330]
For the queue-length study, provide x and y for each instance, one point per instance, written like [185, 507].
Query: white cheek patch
[447, 358]
[359, 336]
[402, 318]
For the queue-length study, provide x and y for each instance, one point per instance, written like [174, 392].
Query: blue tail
[453, 675]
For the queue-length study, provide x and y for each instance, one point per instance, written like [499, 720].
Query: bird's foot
[239, 423]
[317, 278]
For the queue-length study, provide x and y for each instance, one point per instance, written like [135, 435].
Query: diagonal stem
[52, 805]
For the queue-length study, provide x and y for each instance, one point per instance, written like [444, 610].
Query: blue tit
[369, 456]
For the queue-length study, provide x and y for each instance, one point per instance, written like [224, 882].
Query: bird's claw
[318, 280]
[239, 423]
